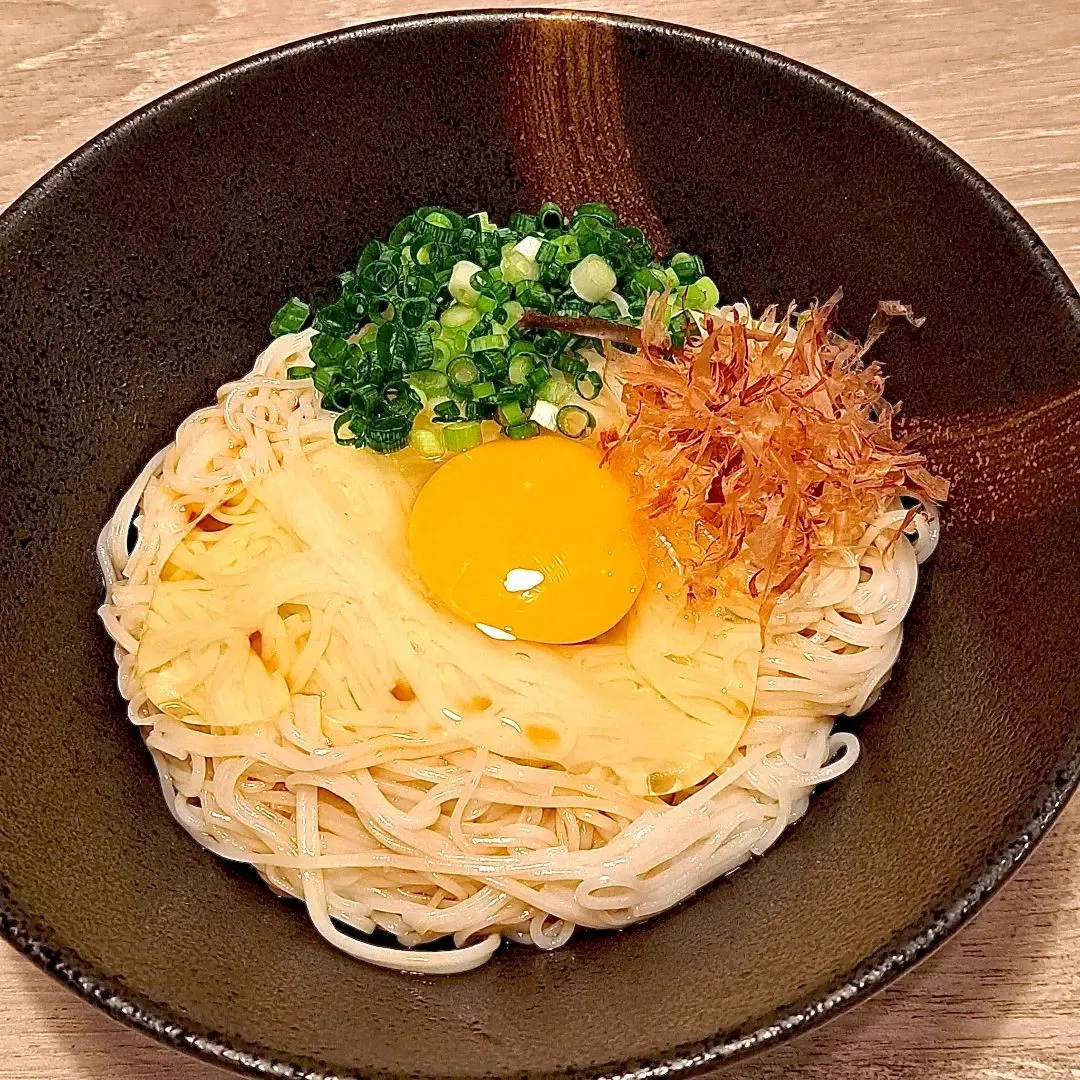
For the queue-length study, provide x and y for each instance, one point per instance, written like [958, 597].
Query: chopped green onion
[521, 347]
[537, 377]
[463, 435]
[436, 223]
[481, 280]
[435, 315]
[520, 367]
[500, 290]
[550, 216]
[527, 246]
[492, 365]
[687, 267]
[523, 395]
[378, 277]
[327, 350]
[597, 211]
[388, 434]
[372, 251]
[513, 311]
[570, 304]
[461, 286]
[554, 275]
[365, 400]
[568, 250]
[381, 308]
[550, 343]
[648, 280]
[516, 266]
[290, 317]
[413, 313]
[512, 413]
[428, 444]
[575, 422]
[525, 430]
[401, 399]
[402, 231]
[534, 296]
[429, 383]
[345, 430]
[544, 414]
[483, 342]
[572, 365]
[462, 372]
[592, 279]
[588, 385]
[606, 309]
[420, 350]
[459, 315]
[521, 223]
[557, 389]
[337, 399]
[433, 255]
[339, 318]
[446, 410]
[702, 295]
[480, 221]
[547, 252]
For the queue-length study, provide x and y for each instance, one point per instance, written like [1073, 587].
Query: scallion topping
[588, 385]
[461, 286]
[575, 422]
[525, 430]
[290, 317]
[427, 443]
[462, 371]
[592, 279]
[463, 435]
[464, 321]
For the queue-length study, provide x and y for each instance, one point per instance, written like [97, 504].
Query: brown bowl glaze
[141, 273]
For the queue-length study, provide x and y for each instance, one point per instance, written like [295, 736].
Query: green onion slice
[428, 444]
[462, 371]
[589, 385]
[526, 430]
[447, 410]
[520, 367]
[512, 413]
[388, 434]
[592, 279]
[290, 317]
[463, 435]
[575, 422]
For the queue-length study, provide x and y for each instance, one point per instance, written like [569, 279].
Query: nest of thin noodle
[761, 444]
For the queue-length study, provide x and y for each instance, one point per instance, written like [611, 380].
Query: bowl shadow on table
[981, 1007]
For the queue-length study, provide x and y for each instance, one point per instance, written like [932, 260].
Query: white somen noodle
[437, 836]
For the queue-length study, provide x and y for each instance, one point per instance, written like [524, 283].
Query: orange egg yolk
[528, 539]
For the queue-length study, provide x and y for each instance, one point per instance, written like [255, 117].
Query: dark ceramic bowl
[140, 274]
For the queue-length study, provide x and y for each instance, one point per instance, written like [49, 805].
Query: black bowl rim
[909, 947]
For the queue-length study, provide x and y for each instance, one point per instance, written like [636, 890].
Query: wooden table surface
[999, 81]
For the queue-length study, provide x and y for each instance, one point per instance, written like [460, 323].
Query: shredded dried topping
[761, 442]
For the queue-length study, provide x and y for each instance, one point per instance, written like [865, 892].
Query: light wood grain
[997, 81]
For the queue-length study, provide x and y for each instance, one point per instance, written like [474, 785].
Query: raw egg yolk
[528, 539]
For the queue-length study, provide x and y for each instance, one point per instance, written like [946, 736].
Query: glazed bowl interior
[140, 276]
